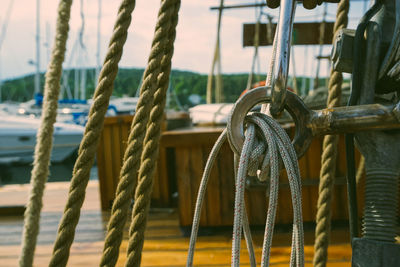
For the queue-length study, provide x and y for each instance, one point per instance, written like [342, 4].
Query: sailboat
[18, 139]
[18, 131]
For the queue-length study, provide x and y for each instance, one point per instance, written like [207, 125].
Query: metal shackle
[294, 105]
[281, 56]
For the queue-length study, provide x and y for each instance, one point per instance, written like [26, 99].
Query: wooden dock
[164, 246]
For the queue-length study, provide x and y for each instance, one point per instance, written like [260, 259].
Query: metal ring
[294, 105]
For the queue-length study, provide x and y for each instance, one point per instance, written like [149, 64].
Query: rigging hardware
[310, 123]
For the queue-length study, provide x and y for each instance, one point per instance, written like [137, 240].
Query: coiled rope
[155, 84]
[44, 137]
[328, 161]
[277, 141]
[94, 126]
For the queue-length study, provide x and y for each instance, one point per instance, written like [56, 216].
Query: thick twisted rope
[151, 143]
[44, 138]
[328, 161]
[94, 126]
[129, 170]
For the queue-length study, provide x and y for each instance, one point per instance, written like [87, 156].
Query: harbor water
[20, 173]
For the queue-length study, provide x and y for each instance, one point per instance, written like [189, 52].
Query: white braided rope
[199, 203]
[271, 129]
[273, 146]
[246, 225]
[276, 139]
[200, 196]
[239, 194]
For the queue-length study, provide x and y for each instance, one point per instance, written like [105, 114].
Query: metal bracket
[310, 123]
[371, 253]
[342, 51]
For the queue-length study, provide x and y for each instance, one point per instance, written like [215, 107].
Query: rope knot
[266, 145]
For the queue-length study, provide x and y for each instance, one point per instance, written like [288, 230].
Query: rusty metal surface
[353, 119]
[294, 105]
[310, 123]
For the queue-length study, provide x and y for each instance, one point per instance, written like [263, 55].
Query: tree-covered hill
[182, 85]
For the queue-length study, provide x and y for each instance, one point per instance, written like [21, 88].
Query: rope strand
[129, 170]
[44, 138]
[94, 126]
[328, 161]
[151, 141]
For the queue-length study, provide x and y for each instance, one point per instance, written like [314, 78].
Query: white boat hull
[18, 139]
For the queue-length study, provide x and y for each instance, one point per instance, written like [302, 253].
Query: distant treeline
[182, 85]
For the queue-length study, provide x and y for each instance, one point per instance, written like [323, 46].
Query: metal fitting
[342, 51]
[396, 111]
[371, 253]
[382, 160]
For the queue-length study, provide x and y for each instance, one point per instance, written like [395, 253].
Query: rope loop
[278, 149]
[294, 106]
[265, 141]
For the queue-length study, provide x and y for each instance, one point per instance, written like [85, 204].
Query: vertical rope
[44, 138]
[94, 126]
[151, 143]
[328, 162]
[128, 175]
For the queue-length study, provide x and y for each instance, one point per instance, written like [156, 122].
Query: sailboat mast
[98, 62]
[2, 37]
[37, 74]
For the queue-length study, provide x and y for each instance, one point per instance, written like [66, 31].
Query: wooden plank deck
[164, 246]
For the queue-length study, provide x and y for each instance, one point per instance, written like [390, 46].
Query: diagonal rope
[200, 195]
[44, 138]
[94, 126]
[151, 142]
[328, 161]
[200, 200]
[128, 175]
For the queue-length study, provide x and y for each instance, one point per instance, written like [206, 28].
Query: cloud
[196, 35]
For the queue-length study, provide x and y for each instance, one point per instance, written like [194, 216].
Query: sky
[194, 46]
